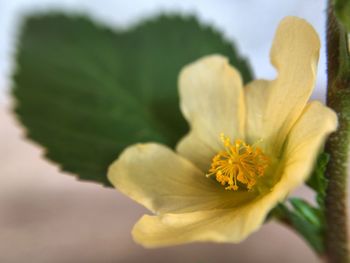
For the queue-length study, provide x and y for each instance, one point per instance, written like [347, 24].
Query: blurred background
[48, 216]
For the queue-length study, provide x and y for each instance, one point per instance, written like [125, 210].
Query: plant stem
[338, 98]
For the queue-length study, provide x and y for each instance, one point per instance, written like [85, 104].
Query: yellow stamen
[239, 162]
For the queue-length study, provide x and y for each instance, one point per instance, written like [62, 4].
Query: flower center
[238, 165]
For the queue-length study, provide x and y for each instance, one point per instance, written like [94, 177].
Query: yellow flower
[247, 149]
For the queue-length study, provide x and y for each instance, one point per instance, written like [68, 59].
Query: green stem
[338, 98]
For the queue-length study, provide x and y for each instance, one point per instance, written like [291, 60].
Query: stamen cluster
[238, 165]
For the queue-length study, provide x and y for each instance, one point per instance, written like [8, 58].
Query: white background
[251, 23]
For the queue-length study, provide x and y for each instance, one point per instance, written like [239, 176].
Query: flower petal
[273, 107]
[224, 225]
[256, 93]
[163, 181]
[305, 140]
[234, 225]
[212, 102]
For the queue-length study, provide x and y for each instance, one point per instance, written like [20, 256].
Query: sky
[250, 23]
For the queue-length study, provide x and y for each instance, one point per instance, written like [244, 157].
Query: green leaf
[312, 232]
[342, 11]
[85, 92]
[306, 211]
[318, 180]
[307, 220]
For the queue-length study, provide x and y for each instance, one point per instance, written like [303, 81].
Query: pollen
[239, 165]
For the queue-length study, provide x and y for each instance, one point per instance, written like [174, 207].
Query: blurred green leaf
[318, 180]
[306, 211]
[85, 92]
[299, 220]
[342, 11]
[307, 220]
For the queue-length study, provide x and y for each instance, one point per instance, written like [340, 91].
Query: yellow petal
[234, 225]
[212, 103]
[256, 94]
[273, 107]
[305, 140]
[224, 225]
[163, 181]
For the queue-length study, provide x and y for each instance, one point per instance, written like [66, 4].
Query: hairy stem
[338, 98]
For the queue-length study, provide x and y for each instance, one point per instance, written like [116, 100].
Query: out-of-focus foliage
[342, 10]
[318, 181]
[85, 92]
[306, 219]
